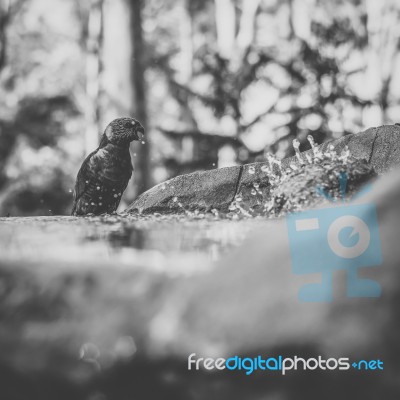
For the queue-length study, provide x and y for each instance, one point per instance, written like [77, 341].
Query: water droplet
[331, 153]
[89, 352]
[265, 168]
[98, 188]
[115, 195]
[273, 160]
[232, 206]
[175, 199]
[345, 154]
[317, 152]
[125, 347]
[253, 192]
[252, 170]
[164, 186]
[143, 142]
[311, 141]
[296, 146]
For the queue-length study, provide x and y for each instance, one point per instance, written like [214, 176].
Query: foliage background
[215, 82]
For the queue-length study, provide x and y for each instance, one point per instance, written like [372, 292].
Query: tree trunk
[185, 68]
[139, 110]
[247, 26]
[117, 55]
[300, 18]
[225, 19]
[124, 80]
[93, 74]
[4, 17]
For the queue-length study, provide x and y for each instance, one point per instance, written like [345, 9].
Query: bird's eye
[129, 124]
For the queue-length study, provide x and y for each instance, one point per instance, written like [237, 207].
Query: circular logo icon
[355, 228]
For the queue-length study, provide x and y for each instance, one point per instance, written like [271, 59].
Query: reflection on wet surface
[151, 241]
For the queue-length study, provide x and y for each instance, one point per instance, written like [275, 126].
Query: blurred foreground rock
[122, 326]
[217, 188]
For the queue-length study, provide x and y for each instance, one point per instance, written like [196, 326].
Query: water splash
[292, 187]
[256, 186]
[265, 168]
[315, 149]
[283, 187]
[296, 146]
[272, 160]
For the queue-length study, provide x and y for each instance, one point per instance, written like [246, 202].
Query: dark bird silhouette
[106, 171]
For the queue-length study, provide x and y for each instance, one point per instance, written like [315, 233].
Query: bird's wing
[98, 165]
[87, 169]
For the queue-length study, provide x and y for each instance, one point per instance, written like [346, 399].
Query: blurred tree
[37, 112]
[124, 63]
[138, 82]
[304, 72]
[8, 10]
[94, 39]
[208, 78]
[383, 35]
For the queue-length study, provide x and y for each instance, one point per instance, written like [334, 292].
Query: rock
[217, 188]
[198, 190]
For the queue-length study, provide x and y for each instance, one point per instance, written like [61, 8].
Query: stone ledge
[216, 188]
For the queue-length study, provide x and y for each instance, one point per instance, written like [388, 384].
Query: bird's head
[122, 131]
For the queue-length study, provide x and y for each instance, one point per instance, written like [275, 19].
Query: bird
[106, 171]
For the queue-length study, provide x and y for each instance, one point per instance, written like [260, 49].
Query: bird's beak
[140, 133]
